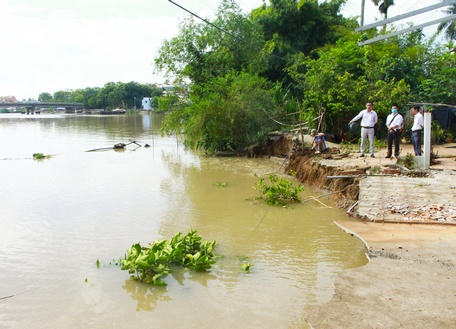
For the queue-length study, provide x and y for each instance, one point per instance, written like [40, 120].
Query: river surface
[59, 215]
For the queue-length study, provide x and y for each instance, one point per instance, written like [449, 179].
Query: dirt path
[410, 281]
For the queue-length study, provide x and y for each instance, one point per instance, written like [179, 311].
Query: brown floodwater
[59, 215]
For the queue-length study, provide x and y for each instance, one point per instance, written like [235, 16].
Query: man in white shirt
[394, 123]
[417, 128]
[368, 120]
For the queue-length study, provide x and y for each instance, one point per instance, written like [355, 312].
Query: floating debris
[118, 146]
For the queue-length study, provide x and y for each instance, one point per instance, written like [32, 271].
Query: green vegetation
[250, 73]
[409, 161]
[448, 27]
[246, 267]
[286, 62]
[151, 264]
[437, 133]
[375, 170]
[41, 156]
[278, 192]
[112, 95]
[227, 113]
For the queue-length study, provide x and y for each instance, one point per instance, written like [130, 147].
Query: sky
[53, 45]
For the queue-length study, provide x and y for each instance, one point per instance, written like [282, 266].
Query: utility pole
[403, 16]
[363, 2]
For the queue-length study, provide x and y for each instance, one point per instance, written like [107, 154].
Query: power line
[222, 30]
[415, 5]
[402, 5]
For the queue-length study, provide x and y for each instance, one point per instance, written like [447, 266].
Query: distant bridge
[31, 106]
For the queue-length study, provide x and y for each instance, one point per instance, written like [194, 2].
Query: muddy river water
[59, 215]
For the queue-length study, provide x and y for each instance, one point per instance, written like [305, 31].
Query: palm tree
[383, 7]
[449, 26]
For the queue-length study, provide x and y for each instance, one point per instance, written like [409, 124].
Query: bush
[228, 113]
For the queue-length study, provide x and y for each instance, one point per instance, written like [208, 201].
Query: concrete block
[419, 162]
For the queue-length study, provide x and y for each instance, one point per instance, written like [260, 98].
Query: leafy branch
[279, 191]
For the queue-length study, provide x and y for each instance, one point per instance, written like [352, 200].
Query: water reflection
[146, 296]
[146, 122]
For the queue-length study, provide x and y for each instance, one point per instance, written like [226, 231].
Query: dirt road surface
[410, 281]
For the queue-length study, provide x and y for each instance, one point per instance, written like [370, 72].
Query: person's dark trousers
[416, 135]
[393, 137]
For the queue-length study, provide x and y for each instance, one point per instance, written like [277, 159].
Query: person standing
[368, 120]
[394, 123]
[417, 128]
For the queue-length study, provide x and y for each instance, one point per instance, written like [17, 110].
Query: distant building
[146, 103]
[8, 99]
[182, 89]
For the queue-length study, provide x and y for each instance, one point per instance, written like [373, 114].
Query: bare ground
[410, 281]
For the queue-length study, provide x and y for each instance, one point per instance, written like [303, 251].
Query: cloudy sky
[52, 45]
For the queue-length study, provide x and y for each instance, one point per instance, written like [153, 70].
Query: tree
[383, 6]
[90, 95]
[339, 79]
[112, 95]
[134, 93]
[228, 113]
[448, 27]
[156, 93]
[77, 96]
[62, 96]
[45, 97]
[292, 27]
[204, 50]
[440, 85]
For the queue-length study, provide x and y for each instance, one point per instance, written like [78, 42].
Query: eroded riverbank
[410, 280]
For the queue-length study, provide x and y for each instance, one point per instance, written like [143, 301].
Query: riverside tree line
[289, 62]
[111, 95]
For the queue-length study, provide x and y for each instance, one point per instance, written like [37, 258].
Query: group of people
[394, 124]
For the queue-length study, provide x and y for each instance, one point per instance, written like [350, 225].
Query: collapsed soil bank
[410, 280]
[418, 196]
[313, 173]
[310, 171]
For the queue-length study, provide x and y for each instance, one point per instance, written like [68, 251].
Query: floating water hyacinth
[152, 264]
